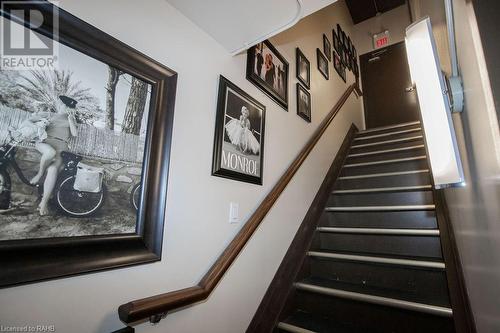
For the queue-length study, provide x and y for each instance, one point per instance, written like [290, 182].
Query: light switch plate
[234, 214]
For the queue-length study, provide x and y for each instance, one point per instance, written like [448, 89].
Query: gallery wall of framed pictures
[346, 56]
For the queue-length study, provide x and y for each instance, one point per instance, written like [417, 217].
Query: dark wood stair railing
[156, 307]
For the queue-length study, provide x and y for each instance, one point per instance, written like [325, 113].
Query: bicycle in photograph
[66, 198]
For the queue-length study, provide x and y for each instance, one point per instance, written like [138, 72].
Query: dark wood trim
[267, 315]
[127, 329]
[155, 306]
[462, 312]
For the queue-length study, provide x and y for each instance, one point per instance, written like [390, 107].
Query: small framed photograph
[344, 39]
[344, 73]
[303, 68]
[339, 33]
[322, 63]
[239, 135]
[344, 56]
[337, 64]
[303, 103]
[335, 39]
[327, 47]
[349, 46]
[268, 70]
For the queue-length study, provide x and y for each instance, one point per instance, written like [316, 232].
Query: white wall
[395, 20]
[475, 209]
[197, 228]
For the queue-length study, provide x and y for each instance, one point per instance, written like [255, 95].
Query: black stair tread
[376, 255]
[387, 129]
[387, 144]
[370, 318]
[367, 290]
[320, 324]
[400, 220]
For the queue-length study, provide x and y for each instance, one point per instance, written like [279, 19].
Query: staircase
[375, 263]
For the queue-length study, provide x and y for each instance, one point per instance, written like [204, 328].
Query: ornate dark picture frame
[30, 260]
[269, 72]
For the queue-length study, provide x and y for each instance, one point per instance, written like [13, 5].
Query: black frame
[319, 55]
[31, 260]
[336, 41]
[300, 114]
[338, 69]
[298, 55]
[327, 47]
[262, 85]
[224, 83]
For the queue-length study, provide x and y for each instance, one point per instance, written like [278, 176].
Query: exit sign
[381, 39]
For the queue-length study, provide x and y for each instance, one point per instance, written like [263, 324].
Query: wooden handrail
[156, 307]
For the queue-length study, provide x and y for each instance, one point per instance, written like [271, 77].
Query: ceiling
[364, 9]
[239, 24]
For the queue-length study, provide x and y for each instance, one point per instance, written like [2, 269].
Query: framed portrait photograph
[322, 63]
[239, 135]
[82, 185]
[327, 47]
[303, 103]
[344, 56]
[268, 70]
[343, 73]
[336, 42]
[337, 64]
[303, 68]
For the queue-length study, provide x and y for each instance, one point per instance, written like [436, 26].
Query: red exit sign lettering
[381, 39]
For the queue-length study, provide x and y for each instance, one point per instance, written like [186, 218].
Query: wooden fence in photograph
[91, 141]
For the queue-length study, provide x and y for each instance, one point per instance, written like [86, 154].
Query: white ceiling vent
[239, 24]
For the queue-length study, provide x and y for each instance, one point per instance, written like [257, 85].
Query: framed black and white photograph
[344, 56]
[239, 135]
[268, 70]
[337, 64]
[322, 63]
[303, 103]
[76, 151]
[335, 40]
[303, 68]
[349, 46]
[344, 39]
[327, 47]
